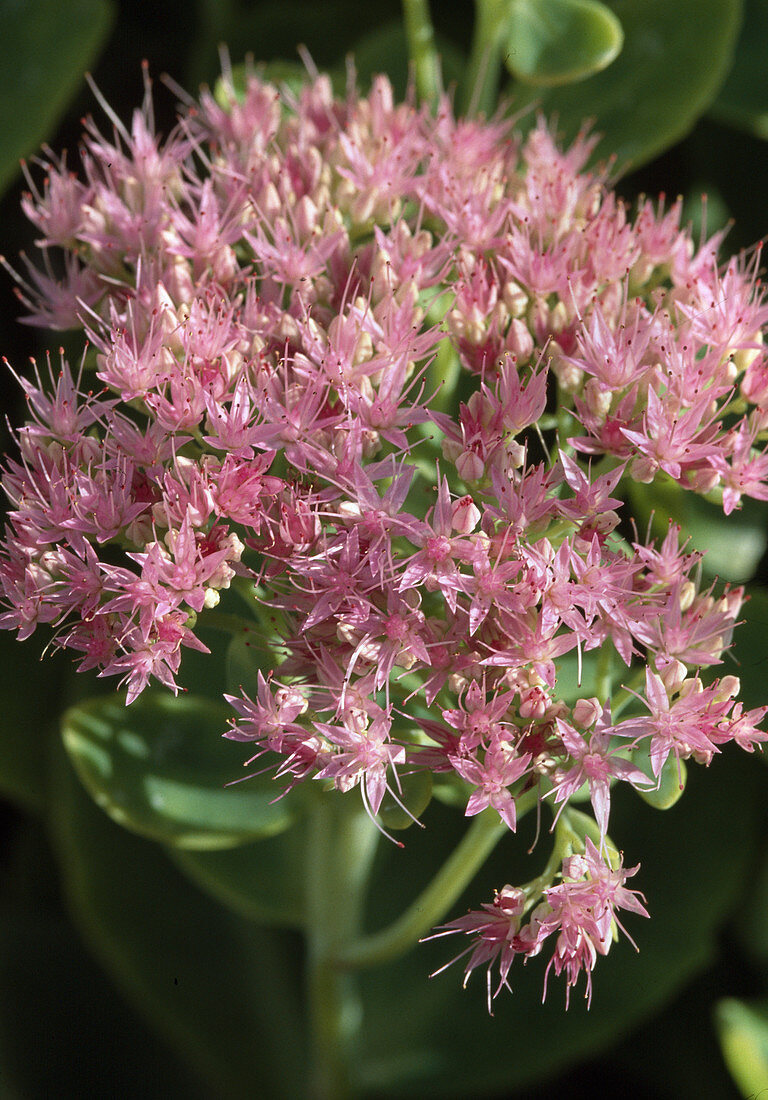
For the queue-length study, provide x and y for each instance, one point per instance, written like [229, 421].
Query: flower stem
[432, 903]
[482, 73]
[341, 844]
[604, 677]
[421, 50]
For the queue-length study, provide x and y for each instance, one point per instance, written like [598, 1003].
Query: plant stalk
[481, 79]
[436, 899]
[341, 843]
[421, 50]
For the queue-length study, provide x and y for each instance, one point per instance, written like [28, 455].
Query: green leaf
[552, 42]
[578, 674]
[262, 881]
[245, 659]
[743, 99]
[674, 60]
[161, 767]
[743, 1031]
[44, 48]
[671, 781]
[222, 991]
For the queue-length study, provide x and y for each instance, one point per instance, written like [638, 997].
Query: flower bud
[728, 688]
[643, 469]
[533, 703]
[519, 341]
[687, 595]
[568, 374]
[672, 673]
[465, 515]
[469, 466]
[598, 398]
[515, 298]
[586, 712]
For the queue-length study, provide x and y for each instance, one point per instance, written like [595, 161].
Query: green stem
[562, 847]
[421, 50]
[604, 679]
[482, 73]
[341, 843]
[433, 902]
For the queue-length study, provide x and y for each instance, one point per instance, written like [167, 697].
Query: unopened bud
[465, 516]
[469, 466]
[515, 298]
[598, 398]
[687, 595]
[672, 674]
[586, 712]
[519, 341]
[728, 688]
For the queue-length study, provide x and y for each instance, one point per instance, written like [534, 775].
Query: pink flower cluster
[388, 373]
[581, 910]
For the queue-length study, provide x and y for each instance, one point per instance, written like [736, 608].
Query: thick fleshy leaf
[675, 58]
[551, 42]
[743, 1030]
[161, 767]
[262, 881]
[578, 673]
[222, 991]
[743, 99]
[45, 47]
[692, 866]
[671, 782]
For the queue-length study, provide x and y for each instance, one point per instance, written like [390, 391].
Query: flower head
[279, 295]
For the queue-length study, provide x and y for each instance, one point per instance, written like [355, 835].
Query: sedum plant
[368, 394]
